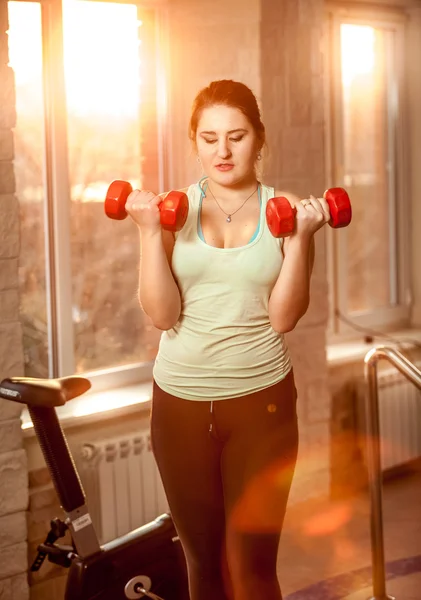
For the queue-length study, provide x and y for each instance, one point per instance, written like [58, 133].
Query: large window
[369, 265]
[87, 94]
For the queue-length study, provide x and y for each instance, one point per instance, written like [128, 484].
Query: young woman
[224, 291]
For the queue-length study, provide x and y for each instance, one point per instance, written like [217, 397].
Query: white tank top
[223, 345]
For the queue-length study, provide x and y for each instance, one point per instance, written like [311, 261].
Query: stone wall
[13, 470]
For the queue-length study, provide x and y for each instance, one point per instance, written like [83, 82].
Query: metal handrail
[411, 372]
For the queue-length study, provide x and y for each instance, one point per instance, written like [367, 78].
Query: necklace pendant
[229, 219]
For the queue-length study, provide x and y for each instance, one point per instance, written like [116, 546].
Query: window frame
[58, 199]
[392, 317]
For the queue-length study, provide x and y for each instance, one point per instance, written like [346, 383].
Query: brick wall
[13, 470]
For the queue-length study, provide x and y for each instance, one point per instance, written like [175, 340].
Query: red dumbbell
[173, 209]
[280, 215]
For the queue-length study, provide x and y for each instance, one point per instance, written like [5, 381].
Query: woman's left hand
[312, 214]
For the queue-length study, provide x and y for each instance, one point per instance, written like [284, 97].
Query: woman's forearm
[159, 295]
[290, 296]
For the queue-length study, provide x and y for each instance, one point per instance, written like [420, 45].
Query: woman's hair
[228, 93]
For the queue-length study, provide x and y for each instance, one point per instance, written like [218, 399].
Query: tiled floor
[325, 552]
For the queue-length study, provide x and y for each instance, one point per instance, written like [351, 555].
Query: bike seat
[43, 392]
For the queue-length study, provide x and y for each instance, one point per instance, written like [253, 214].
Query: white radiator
[122, 484]
[400, 419]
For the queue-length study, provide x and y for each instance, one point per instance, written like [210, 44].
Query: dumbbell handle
[280, 215]
[173, 208]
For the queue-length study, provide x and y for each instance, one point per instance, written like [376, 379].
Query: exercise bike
[145, 563]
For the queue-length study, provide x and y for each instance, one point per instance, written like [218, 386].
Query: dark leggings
[227, 468]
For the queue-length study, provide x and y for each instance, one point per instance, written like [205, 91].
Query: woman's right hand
[142, 206]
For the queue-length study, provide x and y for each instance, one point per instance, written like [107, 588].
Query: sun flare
[357, 51]
[102, 49]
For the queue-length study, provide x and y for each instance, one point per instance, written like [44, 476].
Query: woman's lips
[224, 167]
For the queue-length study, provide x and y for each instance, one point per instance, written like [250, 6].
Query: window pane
[25, 53]
[368, 162]
[105, 95]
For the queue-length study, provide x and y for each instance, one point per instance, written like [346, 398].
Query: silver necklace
[229, 215]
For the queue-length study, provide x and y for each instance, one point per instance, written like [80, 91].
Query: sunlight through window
[101, 48]
[357, 51]
[24, 19]
[113, 99]
[367, 129]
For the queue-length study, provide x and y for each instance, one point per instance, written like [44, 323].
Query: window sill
[94, 407]
[343, 353]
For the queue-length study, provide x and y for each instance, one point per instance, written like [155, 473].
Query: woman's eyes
[233, 139]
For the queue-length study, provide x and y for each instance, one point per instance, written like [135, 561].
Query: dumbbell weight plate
[115, 201]
[174, 210]
[340, 207]
[280, 217]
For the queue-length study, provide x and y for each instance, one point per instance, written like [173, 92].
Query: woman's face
[227, 145]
